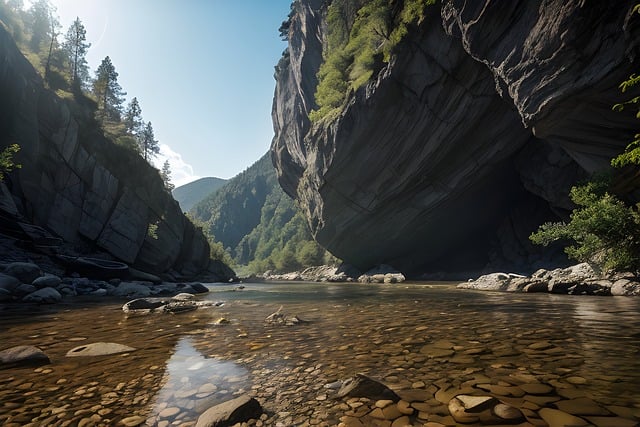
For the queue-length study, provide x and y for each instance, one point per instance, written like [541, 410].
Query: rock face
[84, 189]
[466, 141]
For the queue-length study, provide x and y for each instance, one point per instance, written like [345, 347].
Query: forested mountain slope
[258, 224]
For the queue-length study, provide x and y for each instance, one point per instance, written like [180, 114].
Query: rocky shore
[580, 279]
[26, 282]
[343, 273]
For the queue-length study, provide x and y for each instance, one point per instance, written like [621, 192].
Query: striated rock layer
[467, 140]
[80, 187]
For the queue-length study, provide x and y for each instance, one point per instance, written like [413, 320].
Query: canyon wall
[465, 141]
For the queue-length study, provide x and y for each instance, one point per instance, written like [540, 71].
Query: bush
[604, 230]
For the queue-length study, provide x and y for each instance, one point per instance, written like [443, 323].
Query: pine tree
[133, 117]
[148, 144]
[76, 47]
[108, 91]
[165, 173]
[39, 16]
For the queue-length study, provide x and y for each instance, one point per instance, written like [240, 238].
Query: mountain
[189, 194]
[100, 198]
[444, 145]
[258, 224]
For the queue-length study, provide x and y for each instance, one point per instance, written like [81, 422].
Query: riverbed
[540, 353]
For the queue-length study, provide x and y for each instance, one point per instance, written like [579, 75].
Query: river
[428, 341]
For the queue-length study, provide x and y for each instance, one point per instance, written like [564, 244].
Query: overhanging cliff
[98, 197]
[465, 141]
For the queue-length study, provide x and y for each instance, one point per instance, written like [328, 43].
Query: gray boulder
[8, 283]
[24, 290]
[22, 355]
[625, 287]
[238, 410]
[5, 295]
[131, 290]
[363, 386]
[26, 272]
[46, 281]
[44, 296]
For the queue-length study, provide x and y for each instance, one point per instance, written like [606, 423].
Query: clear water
[185, 363]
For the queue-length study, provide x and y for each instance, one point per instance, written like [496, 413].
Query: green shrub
[604, 230]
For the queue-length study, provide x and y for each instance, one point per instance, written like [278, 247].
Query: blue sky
[202, 71]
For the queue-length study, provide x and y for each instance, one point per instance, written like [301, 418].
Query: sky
[202, 71]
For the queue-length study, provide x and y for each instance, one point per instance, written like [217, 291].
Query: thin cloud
[181, 171]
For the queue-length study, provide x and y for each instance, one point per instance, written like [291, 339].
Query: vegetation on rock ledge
[360, 38]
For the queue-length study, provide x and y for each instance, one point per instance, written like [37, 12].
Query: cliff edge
[98, 197]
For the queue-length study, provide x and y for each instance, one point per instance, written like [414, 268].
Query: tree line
[61, 60]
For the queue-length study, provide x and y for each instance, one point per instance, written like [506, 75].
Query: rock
[508, 413]
[199, 288]
[22, 355]
[382, 274]
[144, 304]
[556, 418]
[476, 403]
[184, 296]
[8, 283]
[26, 272]
[363, 386]
[625, 287]
[131, 290]
[5, 295]
[238, 410]
[48, 280]
[488, 282]
[99, 349]
[44, 296]
[401, 157]
[24, 290]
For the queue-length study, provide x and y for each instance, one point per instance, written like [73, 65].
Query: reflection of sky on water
[195, 382]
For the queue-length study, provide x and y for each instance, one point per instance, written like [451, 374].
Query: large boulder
[22, 355]
[26, 272]
[44, 296]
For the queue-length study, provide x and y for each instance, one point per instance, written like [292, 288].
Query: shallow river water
[549, 356]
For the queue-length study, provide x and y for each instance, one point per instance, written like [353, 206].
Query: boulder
[44, 296]
[26, 272]
[142, 305]
[238, 410]
[131, 290]
[99, 349]
[364, 386]
[48, 280]
[8, 283]
[24, 290]
[22, 355]
[625, 287]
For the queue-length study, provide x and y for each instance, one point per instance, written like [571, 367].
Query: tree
[108, 91]
[604, 231]
[165, 173]
[39, 14]
[76, 47]
[54, 25]
[133, 117]
[148, 144]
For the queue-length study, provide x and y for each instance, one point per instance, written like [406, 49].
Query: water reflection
[194, 382]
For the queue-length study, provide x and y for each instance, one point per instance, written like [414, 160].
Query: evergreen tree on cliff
[39, 16]
[108, 91]
[76, 47]
[165, 173]
[133, 117]
[148, 144]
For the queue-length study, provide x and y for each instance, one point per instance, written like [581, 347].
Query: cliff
[465, 141]
[98, 197]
